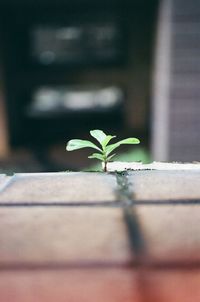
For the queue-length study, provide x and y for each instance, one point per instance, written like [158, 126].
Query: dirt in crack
[126, 196]
[124, 193]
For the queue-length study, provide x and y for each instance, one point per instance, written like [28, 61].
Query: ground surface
[91, 237]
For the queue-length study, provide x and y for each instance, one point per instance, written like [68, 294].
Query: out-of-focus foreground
[97, 237]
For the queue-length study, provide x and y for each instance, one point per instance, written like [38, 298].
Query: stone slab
[122, 166]
[100, 284]
[62, 235]
[59, 187]
[88, 285]
[164, 185]
[169, 285]
[3, 181]
[170, 233]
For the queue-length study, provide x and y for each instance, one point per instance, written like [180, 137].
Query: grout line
[167, 265]
[117, 204]
[23, 266]
[61, 204]
[123, 192]
[186, 265]
[135, 234]
[167, 202]
[137, 242]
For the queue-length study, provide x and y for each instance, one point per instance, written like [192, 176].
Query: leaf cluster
[104, 148]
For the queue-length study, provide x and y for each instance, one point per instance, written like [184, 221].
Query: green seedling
[103, 148]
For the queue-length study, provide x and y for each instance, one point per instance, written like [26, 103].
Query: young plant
[104, 149]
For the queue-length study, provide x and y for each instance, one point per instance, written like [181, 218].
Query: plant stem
[105, 166]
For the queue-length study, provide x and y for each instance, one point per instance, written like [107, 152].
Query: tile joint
[126, 196]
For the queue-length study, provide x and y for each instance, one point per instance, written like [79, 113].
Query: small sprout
[104, 149]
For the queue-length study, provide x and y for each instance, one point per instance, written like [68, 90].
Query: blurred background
[128, 67]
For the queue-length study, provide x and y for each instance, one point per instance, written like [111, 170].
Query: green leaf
[129, 141]
[97, 156]
[99, 135]
[110, 157]
[106, 140]
[76, 144]
[126, 141]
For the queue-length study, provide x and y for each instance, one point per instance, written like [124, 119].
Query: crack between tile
[72, 265]
[93, 265]
[136, 237]
[109, 204]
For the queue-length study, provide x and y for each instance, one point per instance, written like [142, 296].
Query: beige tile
[170, 233]
[60, 187]
[4, 180]
[168, 285]
[39, 235]
[162, 185]
[94, 285]
[107, 285]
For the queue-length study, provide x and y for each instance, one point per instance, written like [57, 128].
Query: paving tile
[170, 233]
[163, 185]
[3, 181]
[49, 235]
[107, 285]
[163, 166]
[59, 187]
[169, 285]
[94, 285]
